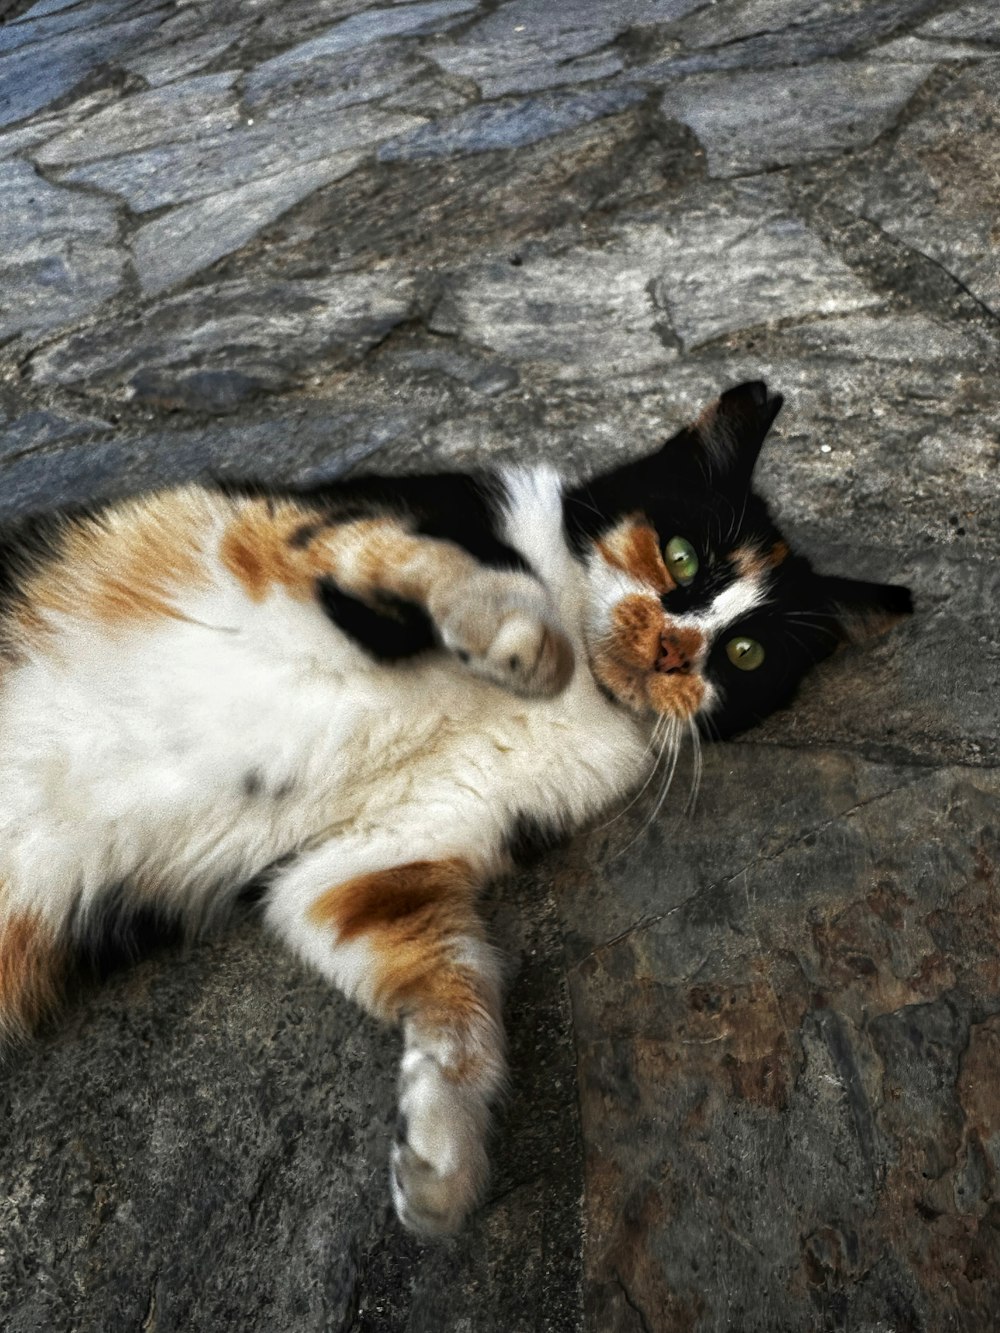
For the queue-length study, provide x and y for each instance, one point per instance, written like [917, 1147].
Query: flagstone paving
[755, 1048]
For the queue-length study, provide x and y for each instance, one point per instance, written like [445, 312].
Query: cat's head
[699, 609]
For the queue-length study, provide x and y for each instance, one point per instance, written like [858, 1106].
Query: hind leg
[406, 943]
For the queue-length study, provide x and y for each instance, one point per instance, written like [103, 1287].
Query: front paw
[502, 626]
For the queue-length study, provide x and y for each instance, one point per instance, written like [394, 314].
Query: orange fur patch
[751, 562]
[31, 966]
[633, 546]
[124, 566]
[405, 895]
[411, 916]
[283, 543]
[262, 546]
[636, 625]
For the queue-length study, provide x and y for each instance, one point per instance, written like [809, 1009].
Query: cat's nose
[674, 658]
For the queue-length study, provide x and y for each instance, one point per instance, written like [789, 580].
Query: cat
[359, 691]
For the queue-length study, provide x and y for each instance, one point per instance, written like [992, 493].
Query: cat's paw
[502, 626]
[438, 1163]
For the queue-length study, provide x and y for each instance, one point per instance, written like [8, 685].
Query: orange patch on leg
[400, 897]
[31, 968]
[412, 917]
[633, 546]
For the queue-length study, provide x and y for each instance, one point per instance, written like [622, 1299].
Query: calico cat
[358, 691]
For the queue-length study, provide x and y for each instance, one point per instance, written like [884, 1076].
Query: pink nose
[673, 658]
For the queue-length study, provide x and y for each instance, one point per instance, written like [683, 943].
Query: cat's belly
[184, 761]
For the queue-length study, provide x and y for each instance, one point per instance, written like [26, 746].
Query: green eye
[681, 561]
[747, 654]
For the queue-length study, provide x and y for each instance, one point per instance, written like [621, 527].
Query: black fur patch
[397, 629]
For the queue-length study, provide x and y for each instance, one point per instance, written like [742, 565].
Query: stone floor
[756, 1050]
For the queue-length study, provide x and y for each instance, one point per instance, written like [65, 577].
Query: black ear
[865, 610]
[730, 431]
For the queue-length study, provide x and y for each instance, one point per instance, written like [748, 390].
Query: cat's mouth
[649, 661]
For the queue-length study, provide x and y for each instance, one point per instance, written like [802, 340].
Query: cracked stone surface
[756, 1047]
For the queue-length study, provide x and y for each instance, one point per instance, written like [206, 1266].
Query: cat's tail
[32, 969]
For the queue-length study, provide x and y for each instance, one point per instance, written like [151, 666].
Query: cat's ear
[863, 610]
[729, 433]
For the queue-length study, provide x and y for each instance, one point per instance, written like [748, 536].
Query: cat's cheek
[637, 624]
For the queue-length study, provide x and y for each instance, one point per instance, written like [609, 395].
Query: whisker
[696, 765]
[655, 737]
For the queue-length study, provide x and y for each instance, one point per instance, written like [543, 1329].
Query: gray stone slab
[775, 1007]
[530, 78]
[718, 274]
[199, 107]
[266, 333]
[623, 306]
[511, 124]
[59, 465]
[919, 51]
[754, 121]
[41, 128]
[527, 44]
[978, 21]
[180, 59]
[178, 172]
[735, 35]
[361, 74]
[936, 189]
[186, 239]
[588, 312]
[35, 75]
[33, 27]
[367, 28]
[38, 429]
[59, 252]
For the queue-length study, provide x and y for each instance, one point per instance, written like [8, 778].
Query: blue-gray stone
[177, 172]
[173, 58]
[35, 75]
[750, 122]
[59, 252]
[23, 33]
[978, 21]
[937, 191]
[361, 74]
[37, 429]
[524, 44]
[175, 113]
[485, 128]
[375, 26]
[264, 330]
[186, 239]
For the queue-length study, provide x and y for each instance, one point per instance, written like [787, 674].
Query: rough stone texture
[755, 1048]
[750, 122]
[937, 188]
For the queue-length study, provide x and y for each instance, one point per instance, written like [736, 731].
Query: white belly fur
[186, 755]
